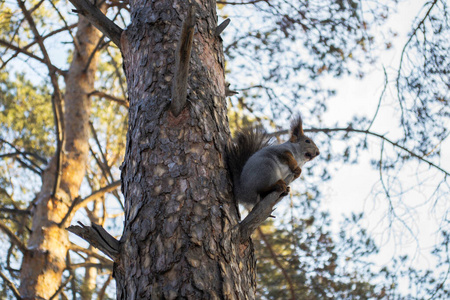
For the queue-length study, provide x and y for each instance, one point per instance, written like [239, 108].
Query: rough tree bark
[44, 261]
[180, 238]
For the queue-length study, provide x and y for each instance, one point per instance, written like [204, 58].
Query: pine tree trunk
[45, 260]
[179, 239]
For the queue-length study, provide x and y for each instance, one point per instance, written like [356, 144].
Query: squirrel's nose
[317, 153]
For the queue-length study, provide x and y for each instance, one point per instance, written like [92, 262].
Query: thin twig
[56, 97]
[381, 98]
[10, 285]
[395, 144]
[29, 54]
[80, 203]
[105, 163]
[60, 72]
[14, 239]
[402, 56]
[75, 41]
[61, 287]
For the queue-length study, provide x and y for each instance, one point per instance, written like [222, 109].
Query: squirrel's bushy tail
[245, 144]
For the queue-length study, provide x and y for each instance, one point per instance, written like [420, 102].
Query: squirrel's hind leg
[279, 186]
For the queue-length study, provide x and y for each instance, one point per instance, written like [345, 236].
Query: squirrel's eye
[308, 141]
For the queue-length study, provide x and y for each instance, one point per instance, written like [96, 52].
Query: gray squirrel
[259, 168]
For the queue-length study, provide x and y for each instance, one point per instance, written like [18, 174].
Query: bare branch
[350, 129]
[10, 285]
[182, 58]
[77, 204]
[99, 20]
[105, 166]
[108, 265]
[101, 293]
[14, 239]
[381, 98]
[395, 144]
[29, 54]
[61, 287]
[403, 54]
[15, 211]
[22, 49]
[89, 252]
[97, 237]
[117, 69]
[110, 97]
[56, 97]
[75, 41]
[241, 3]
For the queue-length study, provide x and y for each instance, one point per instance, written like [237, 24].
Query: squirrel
[258, 168]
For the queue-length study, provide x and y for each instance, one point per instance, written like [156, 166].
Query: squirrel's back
[246, 143]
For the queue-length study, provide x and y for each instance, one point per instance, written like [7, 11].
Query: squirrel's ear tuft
[296, 128]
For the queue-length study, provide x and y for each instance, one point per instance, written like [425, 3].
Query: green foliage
[26, 114]
[314, 263]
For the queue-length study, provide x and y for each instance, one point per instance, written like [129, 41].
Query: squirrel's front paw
[297, 172]
[281, 186]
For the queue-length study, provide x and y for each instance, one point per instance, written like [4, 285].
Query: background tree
[277, 54]
[54, 146]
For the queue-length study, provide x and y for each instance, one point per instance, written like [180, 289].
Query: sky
[351, 188]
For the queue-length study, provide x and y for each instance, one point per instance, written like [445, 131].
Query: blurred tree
[46, 132]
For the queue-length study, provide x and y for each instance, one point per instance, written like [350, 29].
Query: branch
[403, 54]
[99, 20]
[56, 97]
[75, 41]
[221, 27]
[14, 239]
[260, 212]
[29, 54]
[109, 97]
[86, 265]
[23, 163]
[240, 3]
[102, 292]
[77, 204]
[395, 144]
[23, 49]
[182, 57]
[15, 211]
[98, 237]
[61, 287]
[382, 137]
[89, 252]
[105, 164]
[10, 285]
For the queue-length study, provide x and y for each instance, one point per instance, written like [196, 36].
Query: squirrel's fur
[259, 168]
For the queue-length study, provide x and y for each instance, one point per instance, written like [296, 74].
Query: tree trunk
[179, 239]
[44, 261]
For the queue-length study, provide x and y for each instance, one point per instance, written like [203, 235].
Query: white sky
[352, 185]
